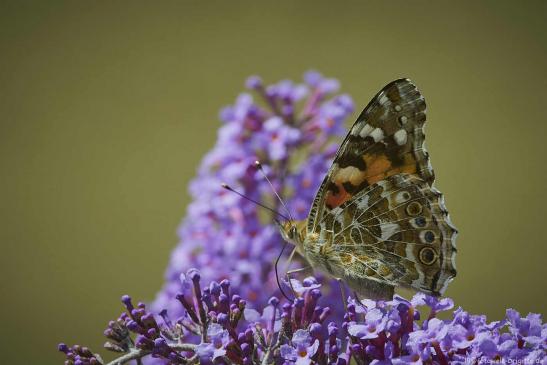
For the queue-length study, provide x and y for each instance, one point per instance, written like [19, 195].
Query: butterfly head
[293, 232]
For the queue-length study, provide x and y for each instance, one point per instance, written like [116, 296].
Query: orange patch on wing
[334, 200]
[381, 168]
[408, 169]
[376, 164]
[374, 179]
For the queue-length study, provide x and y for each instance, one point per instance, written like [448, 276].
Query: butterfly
[377, 222]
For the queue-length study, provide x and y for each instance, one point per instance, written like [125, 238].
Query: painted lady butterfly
[377, 222]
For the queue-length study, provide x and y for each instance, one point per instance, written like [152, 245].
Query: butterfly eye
[292, 232]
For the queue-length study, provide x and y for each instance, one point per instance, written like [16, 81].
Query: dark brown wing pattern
[376, 217]
[386, 139]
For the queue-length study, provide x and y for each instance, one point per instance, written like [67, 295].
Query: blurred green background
[107, 107]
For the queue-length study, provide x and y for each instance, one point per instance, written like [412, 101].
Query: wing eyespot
[414, 208]
[428, 256]
[420, 222]
[428, 236]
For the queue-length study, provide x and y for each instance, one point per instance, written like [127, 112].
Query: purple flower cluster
[216, 327]
[290, 129]
[391, 333]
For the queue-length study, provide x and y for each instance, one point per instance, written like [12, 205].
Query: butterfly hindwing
[396, 232]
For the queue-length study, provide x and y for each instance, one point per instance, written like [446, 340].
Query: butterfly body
[376, 221]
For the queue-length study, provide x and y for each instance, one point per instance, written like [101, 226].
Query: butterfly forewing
[376, 216]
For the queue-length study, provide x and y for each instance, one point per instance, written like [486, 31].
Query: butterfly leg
[289, 272]
[289, 260]
[358, 300]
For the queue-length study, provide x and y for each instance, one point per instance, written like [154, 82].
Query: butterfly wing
[395, 232]
[384, 151]
[386, 139]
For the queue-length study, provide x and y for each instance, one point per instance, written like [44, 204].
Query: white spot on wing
[366, 130]
[402, 196]
[363, 203]
[400, 137]
[337, 211]
[388, 230]
[377, 134]
[410, 253]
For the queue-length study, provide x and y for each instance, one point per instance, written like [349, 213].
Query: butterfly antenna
[228, 187]
[277, 274]
[258, 165]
